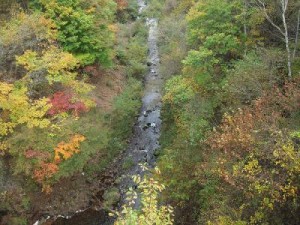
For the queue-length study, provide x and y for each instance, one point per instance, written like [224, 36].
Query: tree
[19, 109]
[297, 34]
[83, 28]
[263, 6]
[258, 161]
[151, 212]
[23, 32]
[58, 67]
[216, 37]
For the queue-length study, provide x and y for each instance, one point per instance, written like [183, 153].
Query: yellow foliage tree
[19, 109]
[59, 66]
[150, 213]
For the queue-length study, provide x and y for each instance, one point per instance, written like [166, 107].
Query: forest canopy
[71, 79]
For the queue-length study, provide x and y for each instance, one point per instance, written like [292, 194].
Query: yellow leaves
[5, 88]
[6, 127]
[34, 113]
[288, 157]
[20, 109]
[179, 89]
[195, 13]
[28, 60]
[3, 147]
[91, 10]
[252, 167]
[57, 63]
[269, 203]
[66, 150]
[51, 27]
[113, 28]
[151, 212]
[34, 24]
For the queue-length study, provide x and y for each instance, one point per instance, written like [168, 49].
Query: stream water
[145, 139]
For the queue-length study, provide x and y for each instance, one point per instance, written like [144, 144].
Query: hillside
[144, 112]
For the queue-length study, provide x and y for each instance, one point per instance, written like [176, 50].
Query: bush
[125, 109]
[249, 79]
[25, 32]
[132, 51]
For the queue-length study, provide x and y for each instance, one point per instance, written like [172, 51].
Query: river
[145, 139]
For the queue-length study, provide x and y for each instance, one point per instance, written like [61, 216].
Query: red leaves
[63, 102]
[44, 170]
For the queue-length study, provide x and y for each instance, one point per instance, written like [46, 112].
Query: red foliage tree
[63, 102]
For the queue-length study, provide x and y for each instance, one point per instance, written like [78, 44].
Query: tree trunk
[245, 26]
[284, 33]
[297, 34]
[284, 4]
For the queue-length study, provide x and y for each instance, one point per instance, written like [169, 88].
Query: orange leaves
[235, 133]
[239, 131]
[46, 170]
[43, 173]
[66, 150]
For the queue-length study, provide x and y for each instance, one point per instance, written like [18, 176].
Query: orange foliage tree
[46, 170]
[66, 150]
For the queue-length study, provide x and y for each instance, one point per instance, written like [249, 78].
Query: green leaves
[178, 91]
[203, 58]
[214, 32]
[83, 29]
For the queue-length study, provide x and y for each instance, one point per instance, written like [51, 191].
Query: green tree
[84, 28]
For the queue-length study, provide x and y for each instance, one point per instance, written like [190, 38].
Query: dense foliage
[150, 211]
[231, 107]
[54, 126]
[230, 142]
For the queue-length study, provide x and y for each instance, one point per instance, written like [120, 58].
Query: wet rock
[145, 113]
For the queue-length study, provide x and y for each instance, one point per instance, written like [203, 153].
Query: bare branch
[263, 8]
